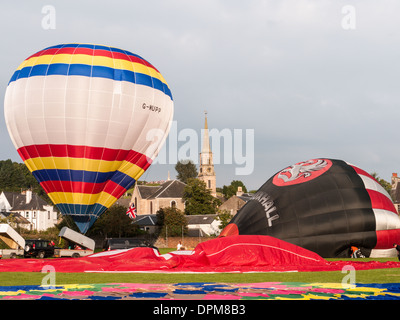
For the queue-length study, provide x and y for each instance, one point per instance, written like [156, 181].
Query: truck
[79, 244]
[38, 248]
[13, 240]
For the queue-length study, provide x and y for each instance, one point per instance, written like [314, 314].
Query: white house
[29, 205]
[203, 225]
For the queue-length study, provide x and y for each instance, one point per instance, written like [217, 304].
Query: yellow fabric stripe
[63, 163]
[47, 163]
[102, 198]
[133, 171]
[93, 60]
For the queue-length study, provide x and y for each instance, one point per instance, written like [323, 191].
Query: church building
[149, 199]
[206, 165]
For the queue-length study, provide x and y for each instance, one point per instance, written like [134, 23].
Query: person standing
[179, 246]
[395, 245]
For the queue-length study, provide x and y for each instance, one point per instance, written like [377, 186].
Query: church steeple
[206, 170]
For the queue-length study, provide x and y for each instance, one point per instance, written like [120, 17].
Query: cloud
[286, 69]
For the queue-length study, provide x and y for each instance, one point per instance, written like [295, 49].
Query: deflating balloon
[87, 120]
[324, 205]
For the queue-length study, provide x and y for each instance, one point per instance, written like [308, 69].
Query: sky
[283, 81]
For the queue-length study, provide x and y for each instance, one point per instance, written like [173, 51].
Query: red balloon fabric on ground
[229, 254]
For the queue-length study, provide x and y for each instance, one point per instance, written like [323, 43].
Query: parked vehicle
[80, 245]
[13, 240]
[126, 243]
[38, 248]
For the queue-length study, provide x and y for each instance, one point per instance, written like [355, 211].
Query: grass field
[366, 276]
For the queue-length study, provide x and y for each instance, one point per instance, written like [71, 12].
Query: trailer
[13, 240]
[80, 245]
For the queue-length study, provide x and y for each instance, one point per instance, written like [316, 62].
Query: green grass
[365, 276]
[391, 275]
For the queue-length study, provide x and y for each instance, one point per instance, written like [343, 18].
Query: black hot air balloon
[324, 205]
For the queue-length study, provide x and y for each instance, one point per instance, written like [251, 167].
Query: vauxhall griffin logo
[302, 172]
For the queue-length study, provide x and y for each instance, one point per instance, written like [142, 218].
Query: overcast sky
[311, 78]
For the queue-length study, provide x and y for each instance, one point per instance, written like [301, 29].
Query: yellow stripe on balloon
[64, 163]
[92, 61]
[102, 198]
[133, 171]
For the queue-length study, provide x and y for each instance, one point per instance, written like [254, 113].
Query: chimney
[28, 195]
[395, 180]
[239, 191]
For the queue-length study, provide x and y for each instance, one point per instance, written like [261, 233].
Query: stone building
[206, 166]
[395, 192]
[236, 202]
[149, 199]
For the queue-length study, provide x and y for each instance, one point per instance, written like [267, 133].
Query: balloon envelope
[324, 205]
[87, 120]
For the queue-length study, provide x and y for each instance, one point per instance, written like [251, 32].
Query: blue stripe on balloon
[118, 177]
[95, 209]
[91, 71]
[83, 215]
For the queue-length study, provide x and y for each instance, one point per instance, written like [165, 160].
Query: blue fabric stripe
[118, 177]
[91, 71]
[82, 209]
[84, 216]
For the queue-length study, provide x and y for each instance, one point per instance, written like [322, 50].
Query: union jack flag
[131, 212]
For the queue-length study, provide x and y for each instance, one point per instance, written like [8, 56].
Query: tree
[231, 190]
[198, 198]
[16, 176]
[186, 170]
[225, 217]
[114, 223]
[172, 222]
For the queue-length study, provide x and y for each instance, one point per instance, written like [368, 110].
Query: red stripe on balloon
[93, 52]
[364, 173]
[72, 186]
[109, 187]
[380, 201]
[386, 238]
[85, 152]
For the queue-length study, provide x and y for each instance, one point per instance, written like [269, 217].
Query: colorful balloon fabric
[87, 120]
[324, 205]
[204, 291]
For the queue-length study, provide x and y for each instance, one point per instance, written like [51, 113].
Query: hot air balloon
[324, 205]
[87, 120]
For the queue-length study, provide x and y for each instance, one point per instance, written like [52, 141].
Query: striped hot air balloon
[87, 120]
[324, 205]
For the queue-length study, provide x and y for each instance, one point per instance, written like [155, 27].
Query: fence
[187, 242]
